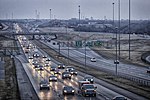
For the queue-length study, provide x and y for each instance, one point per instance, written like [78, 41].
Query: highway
[101, 63]
[55, 92]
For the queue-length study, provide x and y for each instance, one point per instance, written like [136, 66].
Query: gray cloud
[65, 9]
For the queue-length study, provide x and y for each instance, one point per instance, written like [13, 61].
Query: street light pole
[119, 25]
[129, 28]
[79, 14]
[113, 17]
[50, 13]
[116, 50]
[85, 53]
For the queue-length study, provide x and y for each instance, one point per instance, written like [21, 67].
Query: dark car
[73, 72]
[40, 67]
[30, 57]
[68, 90]
[52, 78]
[61, 66]
[69, 68]
[36, 55]
[44, 56]
[53, 68]
[66, 75]
[34, 61]
[44, 85]
[57, 72]
[148, 71]
[48, 59]
[119, 98]
[89, 78]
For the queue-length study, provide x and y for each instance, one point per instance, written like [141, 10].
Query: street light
[116, 61]
[113, 17]
[119, 25]
[129, 27]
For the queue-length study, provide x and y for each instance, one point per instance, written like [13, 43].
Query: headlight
[41, 85]
[91, 79]
[50, 78]
[65, 91]
[47, 85]
[72, 90]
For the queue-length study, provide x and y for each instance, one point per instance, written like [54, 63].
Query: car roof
[66, 73]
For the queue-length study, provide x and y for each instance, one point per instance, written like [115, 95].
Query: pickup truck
[86, 88]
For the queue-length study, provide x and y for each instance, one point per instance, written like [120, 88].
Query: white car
[93, 59]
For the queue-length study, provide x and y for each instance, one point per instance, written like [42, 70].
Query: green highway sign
[78, 43]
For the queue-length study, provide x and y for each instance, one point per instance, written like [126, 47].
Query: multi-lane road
[101, 63]
[55, 92]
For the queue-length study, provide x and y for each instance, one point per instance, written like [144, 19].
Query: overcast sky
[66, 9]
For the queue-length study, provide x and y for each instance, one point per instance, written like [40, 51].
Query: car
[61, 66]
[34, 61]
[40, 67]
[53, 68]
[52, 78]
[148, 71]
[66, 75]
[68, 90]
[69, 68]
[46, 64]
[119, 98]
[44, 85]
[73, 72]
[30, 57]
[57, 72]
[35, 66]
[44, 56]
[88, 90]
[93, 59]
[89, 78]
[48, 59]
[36, 55]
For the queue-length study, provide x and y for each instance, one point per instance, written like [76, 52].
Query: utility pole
[129, 27]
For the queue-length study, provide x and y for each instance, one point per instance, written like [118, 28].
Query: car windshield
[120, 98]
[66, 73]
[89, 86]
[52, 76]
[68, 88]
[43, 82]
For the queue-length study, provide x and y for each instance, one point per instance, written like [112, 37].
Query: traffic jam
[56, 76]
[51, 73]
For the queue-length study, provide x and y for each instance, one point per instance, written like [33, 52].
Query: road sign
[97, 43]
[78, 44]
